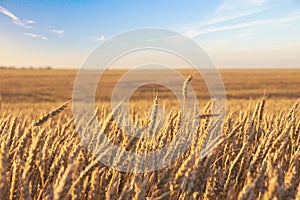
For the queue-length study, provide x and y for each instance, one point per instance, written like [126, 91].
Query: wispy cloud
[194, 33]
[258, 2]
[30, 21]
[100, 38]
[242, 5]
[36, 36]
[15, 19]
[58, 32]
[229, 11]
[229, 14]
[8, 13]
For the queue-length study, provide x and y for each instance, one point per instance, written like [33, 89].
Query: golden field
[256, 155]
[44, 89]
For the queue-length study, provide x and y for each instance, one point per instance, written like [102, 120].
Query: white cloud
[241, 5]
[100, 38]
[8, 13]
[234, 9]
[58, 32]
[194, 33]
[15, 19]
[30, 21]
[230, 10]
[36, 36]
[257, 2]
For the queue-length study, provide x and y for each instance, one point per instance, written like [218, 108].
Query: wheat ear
[52, 113]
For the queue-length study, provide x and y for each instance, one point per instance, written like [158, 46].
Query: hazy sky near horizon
[234, 33]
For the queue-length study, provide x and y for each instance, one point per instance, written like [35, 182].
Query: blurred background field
[38, 90]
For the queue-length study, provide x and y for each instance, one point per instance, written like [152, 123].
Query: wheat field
[257, 155]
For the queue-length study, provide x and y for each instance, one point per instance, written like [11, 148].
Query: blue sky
[234, 33]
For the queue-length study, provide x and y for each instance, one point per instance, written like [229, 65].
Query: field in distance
[42, 89]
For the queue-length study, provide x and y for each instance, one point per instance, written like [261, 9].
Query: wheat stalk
[51, 114]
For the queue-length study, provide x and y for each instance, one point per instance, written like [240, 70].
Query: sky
[234, 33]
